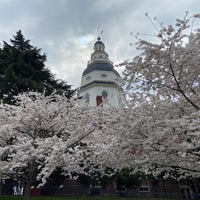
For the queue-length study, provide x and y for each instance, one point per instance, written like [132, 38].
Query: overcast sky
[67, 29]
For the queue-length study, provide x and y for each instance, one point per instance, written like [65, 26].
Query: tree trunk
[27, 192]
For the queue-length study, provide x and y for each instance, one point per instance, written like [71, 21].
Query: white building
[100, 81]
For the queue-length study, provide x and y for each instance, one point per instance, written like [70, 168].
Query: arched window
[87, 98]
[104, 95]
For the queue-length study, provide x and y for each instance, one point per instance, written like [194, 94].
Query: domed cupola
[99, 51]
[100, 81]
[99, 45]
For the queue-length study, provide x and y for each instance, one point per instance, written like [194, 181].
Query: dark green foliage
[123, 179]
[97, 179]
[127, 179]
[22, 69]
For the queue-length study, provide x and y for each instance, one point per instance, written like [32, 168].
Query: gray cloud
[66, 30]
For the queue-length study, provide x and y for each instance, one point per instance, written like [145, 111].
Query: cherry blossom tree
[42, 133]
[163, 88]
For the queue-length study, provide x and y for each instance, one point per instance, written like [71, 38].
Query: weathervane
[99, 33]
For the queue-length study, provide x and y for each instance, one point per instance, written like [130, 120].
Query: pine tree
[22, 68]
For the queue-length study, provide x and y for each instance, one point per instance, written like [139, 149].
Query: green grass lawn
[79, 198]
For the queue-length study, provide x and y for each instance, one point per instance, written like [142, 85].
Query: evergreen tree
[22, 69]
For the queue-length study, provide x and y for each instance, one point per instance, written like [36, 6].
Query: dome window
[103, 75]
[88, 78]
